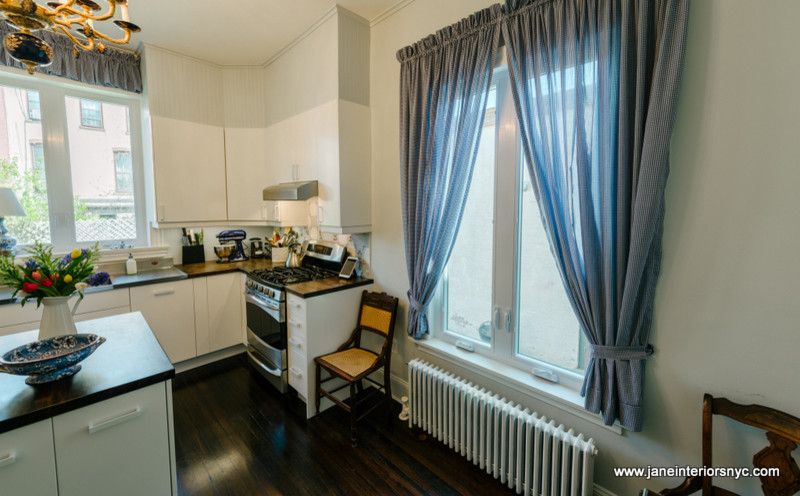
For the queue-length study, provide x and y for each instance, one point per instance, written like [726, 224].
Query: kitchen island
[108, 429]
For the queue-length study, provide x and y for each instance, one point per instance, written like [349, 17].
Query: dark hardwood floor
[235, 435]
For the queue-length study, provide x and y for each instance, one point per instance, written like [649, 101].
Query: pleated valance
[115, 68]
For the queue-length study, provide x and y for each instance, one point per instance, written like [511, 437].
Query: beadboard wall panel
[244, 97]
[353, 57]
[305, 76]
[183, 88]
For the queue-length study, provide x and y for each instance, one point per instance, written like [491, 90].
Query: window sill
[555, 395]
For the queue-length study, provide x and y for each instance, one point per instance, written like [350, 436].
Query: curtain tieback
[413, 303]
[620, 352]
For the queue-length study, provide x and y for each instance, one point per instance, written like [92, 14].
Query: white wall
[727, 312]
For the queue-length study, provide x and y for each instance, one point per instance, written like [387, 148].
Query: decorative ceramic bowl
[30, 50]
[50, 359]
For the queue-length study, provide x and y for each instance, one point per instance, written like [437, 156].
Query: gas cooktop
[283, 276]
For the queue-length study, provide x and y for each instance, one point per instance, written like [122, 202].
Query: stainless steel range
[265, 298]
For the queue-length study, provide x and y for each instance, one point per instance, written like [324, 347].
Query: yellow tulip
[75, 253]
[67, 278]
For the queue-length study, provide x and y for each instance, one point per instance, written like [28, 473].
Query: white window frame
[58, 174]
[509, 170]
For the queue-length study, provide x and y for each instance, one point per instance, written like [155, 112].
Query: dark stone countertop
[303, 289]
[119, 281]
[130, 359]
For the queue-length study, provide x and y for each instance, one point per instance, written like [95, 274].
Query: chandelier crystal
[74, 18]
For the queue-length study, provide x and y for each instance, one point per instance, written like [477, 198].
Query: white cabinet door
[27, 461]
[169, 310]
[225, 321]
[248, 173]
[189, 171]
[119, 446]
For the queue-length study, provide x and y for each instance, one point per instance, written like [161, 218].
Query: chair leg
[360, 386]
[353, 415]
[387, 386]
[317, 394]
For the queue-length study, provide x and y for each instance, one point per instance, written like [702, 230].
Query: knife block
[194, 254]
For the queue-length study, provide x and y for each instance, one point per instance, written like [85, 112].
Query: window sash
[58, 174]
[506, 277]
[91, 113]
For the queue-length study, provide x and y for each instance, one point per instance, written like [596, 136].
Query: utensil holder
[280, 254]
[194, 254]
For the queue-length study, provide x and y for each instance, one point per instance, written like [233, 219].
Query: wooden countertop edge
[54, 410]
[332, 289]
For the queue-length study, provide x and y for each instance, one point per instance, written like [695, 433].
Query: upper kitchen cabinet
[187, 138]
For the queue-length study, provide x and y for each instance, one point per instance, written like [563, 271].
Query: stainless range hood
[298, 190]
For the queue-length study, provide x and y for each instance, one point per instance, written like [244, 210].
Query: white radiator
[528, 452]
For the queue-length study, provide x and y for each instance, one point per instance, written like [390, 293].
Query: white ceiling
[244, 32]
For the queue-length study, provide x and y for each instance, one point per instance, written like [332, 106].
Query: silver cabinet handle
[94, 428]
[8, 459]
[164, 292]
[509, 319]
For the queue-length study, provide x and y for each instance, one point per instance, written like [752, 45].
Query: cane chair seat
[352, 361]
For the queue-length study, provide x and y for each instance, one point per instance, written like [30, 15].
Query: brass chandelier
[73, 18]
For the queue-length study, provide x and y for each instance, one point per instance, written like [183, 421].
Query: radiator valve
[404, 412]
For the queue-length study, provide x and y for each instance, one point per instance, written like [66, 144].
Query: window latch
[509, 319]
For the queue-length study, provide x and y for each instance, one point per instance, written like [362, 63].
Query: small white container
[280, 255]
[130, 265]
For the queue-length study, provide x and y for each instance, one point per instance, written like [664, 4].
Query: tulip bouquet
[44, 275]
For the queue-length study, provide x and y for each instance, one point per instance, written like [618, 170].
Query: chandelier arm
[66, 4]
[119, 41]
[89, 46]
[86, 15]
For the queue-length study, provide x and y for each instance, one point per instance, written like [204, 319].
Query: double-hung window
[78, 183]
[502, 294]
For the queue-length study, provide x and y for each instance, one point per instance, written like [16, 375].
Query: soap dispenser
[130, 265]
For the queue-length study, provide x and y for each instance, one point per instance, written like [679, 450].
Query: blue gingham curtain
[113, 69]
[595, 84]
[444, 83]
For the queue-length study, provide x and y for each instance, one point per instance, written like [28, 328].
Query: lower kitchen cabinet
[219, 319]
[27, 461]
[169, 309]
[119, 446]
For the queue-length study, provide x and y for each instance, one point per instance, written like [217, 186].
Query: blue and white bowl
[50, 359]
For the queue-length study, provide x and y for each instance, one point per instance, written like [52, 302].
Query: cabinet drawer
[296, 329]
[298, 369]
[119, 446]
[297, 343]
[296, 308]
[103, 300]
[27, 461]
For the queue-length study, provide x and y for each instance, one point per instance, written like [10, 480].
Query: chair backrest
[783, 434]
[377, 314]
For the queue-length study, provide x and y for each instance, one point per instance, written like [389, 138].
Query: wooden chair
[353, 364]
[783, 434]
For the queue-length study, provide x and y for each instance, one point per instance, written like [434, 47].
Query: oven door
[266, 328]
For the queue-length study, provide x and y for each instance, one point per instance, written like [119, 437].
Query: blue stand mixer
[232, 246]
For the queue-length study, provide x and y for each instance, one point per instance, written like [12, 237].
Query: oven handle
[274, 371]
[274, 312]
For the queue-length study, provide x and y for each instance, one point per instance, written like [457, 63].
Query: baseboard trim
[216, 356]
[601, 491]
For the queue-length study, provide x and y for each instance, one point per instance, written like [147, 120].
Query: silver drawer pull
[164, 292]
[296, 372]
[111, 422]
[8, 459]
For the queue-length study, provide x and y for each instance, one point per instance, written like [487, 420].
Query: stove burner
[283, 276]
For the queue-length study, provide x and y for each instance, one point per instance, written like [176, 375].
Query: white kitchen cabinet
[119, 446]
[189, 171]
[317, 326]
[27, 461]
[219, 318]
[16, 318]
[248, 173]
[168, 308]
